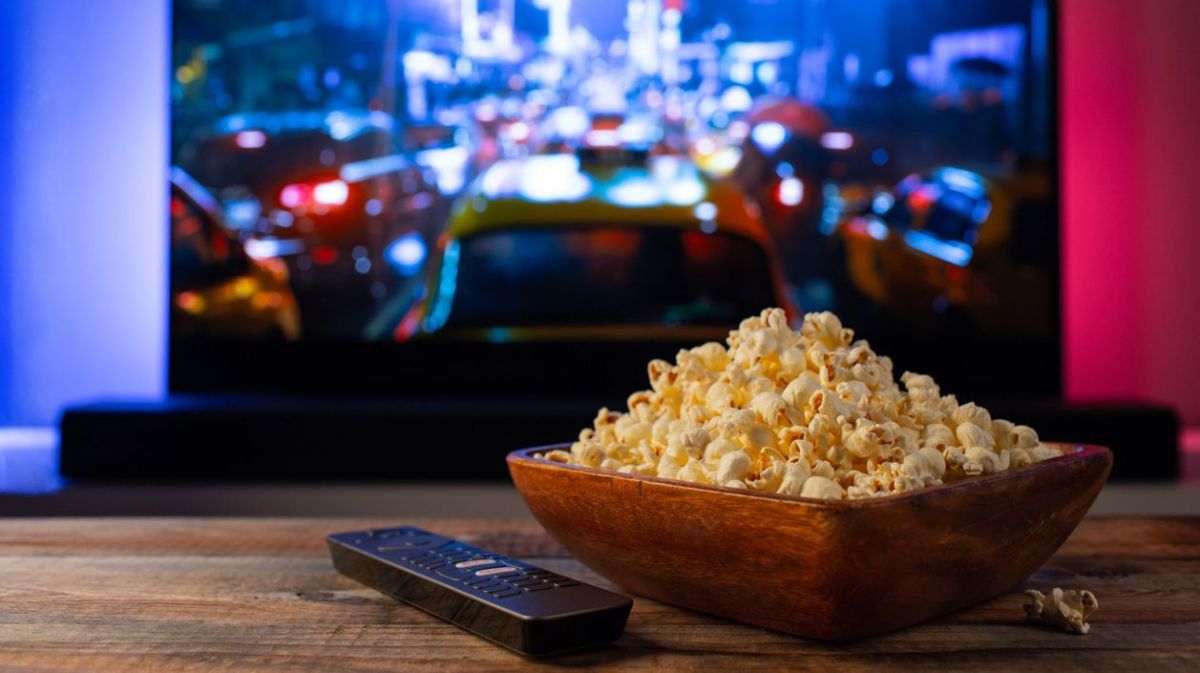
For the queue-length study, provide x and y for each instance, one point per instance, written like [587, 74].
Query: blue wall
[83, 156]
[8, 47]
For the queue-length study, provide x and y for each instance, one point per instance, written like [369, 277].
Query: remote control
[524, 608]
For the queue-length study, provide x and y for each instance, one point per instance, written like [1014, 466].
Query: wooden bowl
[831, 570]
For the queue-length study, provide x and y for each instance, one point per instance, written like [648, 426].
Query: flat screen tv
[504, 197]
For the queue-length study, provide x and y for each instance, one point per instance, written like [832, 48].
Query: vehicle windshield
[589, 276]
[948, 214]
[953, 218]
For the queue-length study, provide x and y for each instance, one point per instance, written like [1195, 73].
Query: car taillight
[332, 193]
[309, 195]
[324, 255]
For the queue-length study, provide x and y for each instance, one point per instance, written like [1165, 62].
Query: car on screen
[979, 251]
[585, 247]
[318, 180]
[783, 166]
[323, 175]
[330, 194]
[217, 289]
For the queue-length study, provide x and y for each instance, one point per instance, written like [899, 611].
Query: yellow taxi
[954, 248]
[596, 245]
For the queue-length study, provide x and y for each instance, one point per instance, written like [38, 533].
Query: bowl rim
[1074, 452]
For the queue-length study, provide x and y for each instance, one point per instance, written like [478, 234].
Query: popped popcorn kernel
[1066, 610]
[811, 412]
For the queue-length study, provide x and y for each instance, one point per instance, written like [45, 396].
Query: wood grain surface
[102, 595]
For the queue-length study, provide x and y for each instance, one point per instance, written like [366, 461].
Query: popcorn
[1066, 610]
[734, 465]
[771, 408]
[795, 472]
[695, 471]
[935, 461]
[937, 436]
[980, 460]
[1043, 452]
[811, 413]
[558, 456]
[869, 439]
[972, 414]
[971, 435]
[821, 487]
[1023, 437]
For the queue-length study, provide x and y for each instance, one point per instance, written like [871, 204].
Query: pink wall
[1131, 196]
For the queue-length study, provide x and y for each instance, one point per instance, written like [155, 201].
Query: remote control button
[506, 594]
[453, 574]
[411, 553]
[391, 544]
[565, 583]
[502, 570]
[478, 581]
[435, 565]
[500, 587]
[414, 557]
[396, 532]
[490, 587]
[525, 582]
[476, 563]
[536, 587]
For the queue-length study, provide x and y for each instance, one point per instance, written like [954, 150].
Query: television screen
[406, 172]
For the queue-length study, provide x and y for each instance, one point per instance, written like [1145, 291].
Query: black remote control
[524, 608]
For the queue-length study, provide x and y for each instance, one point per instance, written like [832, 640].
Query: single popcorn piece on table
[812, 413]
[1066, 610]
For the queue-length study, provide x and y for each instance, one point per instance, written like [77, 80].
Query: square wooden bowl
[826, 569]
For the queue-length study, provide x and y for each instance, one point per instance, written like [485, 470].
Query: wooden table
[235, 594]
